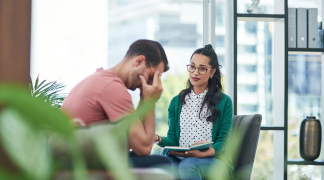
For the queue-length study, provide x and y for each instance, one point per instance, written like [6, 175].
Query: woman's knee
[188, 164]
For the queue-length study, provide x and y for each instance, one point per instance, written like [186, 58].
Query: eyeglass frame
[197, 68]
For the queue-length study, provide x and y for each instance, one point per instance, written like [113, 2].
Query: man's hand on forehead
[152, 89]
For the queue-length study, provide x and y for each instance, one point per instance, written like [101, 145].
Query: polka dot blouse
[193, 129]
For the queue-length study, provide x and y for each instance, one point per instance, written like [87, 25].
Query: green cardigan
[220, 134]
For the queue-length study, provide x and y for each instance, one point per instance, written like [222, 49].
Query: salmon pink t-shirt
[100, 96]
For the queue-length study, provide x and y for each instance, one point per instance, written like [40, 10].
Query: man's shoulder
[108, 80]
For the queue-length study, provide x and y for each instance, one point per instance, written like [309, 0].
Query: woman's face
[200, 70]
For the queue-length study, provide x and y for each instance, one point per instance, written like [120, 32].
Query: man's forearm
[149, 126]
[141, 137]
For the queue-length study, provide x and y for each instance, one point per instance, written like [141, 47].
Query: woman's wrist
[207, 153]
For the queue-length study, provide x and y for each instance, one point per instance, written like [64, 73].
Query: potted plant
[49, 91]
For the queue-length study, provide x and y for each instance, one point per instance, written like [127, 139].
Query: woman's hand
[192, 153]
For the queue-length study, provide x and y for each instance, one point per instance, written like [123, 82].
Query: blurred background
[71, 39]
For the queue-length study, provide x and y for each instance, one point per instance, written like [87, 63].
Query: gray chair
[244, 141]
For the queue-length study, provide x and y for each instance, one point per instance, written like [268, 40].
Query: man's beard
[136, 81]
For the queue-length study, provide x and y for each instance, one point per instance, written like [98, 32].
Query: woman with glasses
[201, 112]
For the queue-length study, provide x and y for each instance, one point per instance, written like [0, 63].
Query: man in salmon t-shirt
[103, 96]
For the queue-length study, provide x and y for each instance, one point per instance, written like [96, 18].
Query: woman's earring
[211, 77]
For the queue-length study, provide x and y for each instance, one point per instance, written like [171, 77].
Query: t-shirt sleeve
[115, 100]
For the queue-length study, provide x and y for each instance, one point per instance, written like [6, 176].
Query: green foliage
[172, 85]
[50, 92]
[25, 138]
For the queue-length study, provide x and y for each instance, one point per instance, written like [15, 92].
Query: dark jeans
[149, 161]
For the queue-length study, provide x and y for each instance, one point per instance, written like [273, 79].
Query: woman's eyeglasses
[201, 70]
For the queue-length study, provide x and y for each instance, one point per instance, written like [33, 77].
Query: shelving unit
[259, 17]
[303, 50]
[303, 162]
[281, 60]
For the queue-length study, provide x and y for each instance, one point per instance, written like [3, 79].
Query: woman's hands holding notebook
[194, 153]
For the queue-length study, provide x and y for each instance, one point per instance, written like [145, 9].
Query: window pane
[177, 25]
[264, 163]
[254, 69]
[69, 39]
[220, 33]
[297, 172]
[267, 6]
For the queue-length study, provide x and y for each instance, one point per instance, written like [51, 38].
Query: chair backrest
[245, 133]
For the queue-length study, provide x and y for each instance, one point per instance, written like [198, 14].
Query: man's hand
[154, 90]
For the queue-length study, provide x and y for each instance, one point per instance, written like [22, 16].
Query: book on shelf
[292, 27]
[200, 145]
[312, 27]
[301, 28]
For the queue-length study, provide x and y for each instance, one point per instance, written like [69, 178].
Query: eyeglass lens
[201, 70]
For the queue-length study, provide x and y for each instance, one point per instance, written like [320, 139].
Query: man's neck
[121, 70]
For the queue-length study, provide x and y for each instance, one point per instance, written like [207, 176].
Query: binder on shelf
[312, 25]
[301, 28]
[292, 28]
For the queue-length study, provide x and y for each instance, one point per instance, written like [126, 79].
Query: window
[220, 41]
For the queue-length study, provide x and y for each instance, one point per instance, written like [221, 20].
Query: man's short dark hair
[152, 50]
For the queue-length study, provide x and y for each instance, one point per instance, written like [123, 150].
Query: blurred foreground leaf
[25, 145]
[36, 112]
[219, 172]
[112, 151]
[27, 122]
[30, 119]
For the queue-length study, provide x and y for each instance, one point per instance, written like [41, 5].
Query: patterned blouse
[193, 129]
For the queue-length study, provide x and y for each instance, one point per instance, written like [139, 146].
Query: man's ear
[139, 60]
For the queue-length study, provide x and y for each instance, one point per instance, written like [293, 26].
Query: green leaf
[48, 92]
[36, 87]
[112, 150]
[36, 82]
[26, 145]
[4, 174]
